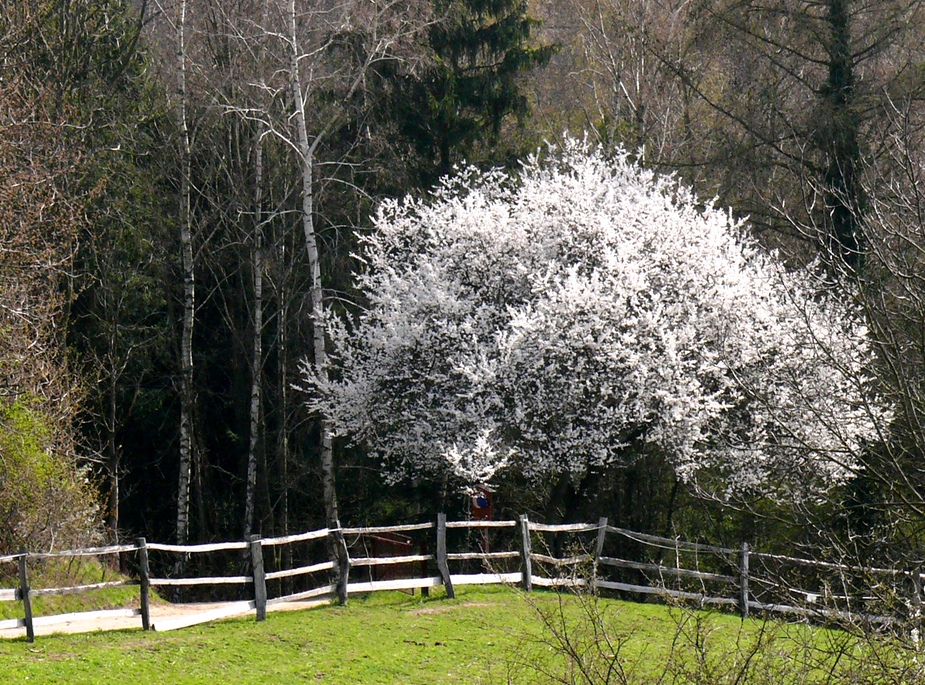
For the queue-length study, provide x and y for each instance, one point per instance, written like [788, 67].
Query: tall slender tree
[306, 151]
[187, 389]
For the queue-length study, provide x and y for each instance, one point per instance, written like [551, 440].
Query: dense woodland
[188, 184]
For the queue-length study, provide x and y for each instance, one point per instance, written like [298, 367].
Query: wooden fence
[595, 556]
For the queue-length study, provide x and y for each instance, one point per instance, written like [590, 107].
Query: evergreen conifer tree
[470, 86]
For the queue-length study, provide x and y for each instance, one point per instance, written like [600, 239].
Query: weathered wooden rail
[25, 593]
[597, 556]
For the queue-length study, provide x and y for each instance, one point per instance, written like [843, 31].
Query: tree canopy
[568, 318]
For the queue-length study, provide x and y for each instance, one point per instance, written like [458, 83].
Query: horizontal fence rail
[387, 529]
[596, 556]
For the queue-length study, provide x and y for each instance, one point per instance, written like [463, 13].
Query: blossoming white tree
[567, 318]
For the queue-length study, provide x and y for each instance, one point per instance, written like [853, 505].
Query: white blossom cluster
[581, 312]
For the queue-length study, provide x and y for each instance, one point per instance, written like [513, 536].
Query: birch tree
[382, 29]
[306, 152]
[361, 37]
[187, 391]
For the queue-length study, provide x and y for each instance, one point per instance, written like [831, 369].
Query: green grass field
[491, 635]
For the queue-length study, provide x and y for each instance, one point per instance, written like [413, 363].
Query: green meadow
[485, 635]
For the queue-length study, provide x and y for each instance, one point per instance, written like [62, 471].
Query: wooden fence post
[24, 595]
[260, 578]
[743, 581]
[525, 553]
[598, 549]
[443, 565]
[144, 582]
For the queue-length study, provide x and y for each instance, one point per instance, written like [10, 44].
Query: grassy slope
[484, 636]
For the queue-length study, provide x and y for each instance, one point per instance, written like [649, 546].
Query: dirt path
[169, 616]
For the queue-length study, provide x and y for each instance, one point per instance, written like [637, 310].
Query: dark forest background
[168, 166]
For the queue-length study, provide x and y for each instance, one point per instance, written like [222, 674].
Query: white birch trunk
[306, 154]
[283, 438]
[189, 290]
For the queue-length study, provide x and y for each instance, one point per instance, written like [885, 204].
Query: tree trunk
[843, 195]
[311, 246]
[306, 153]
[113, 461]
[189, 290]
[283, 438]
[257, 341]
